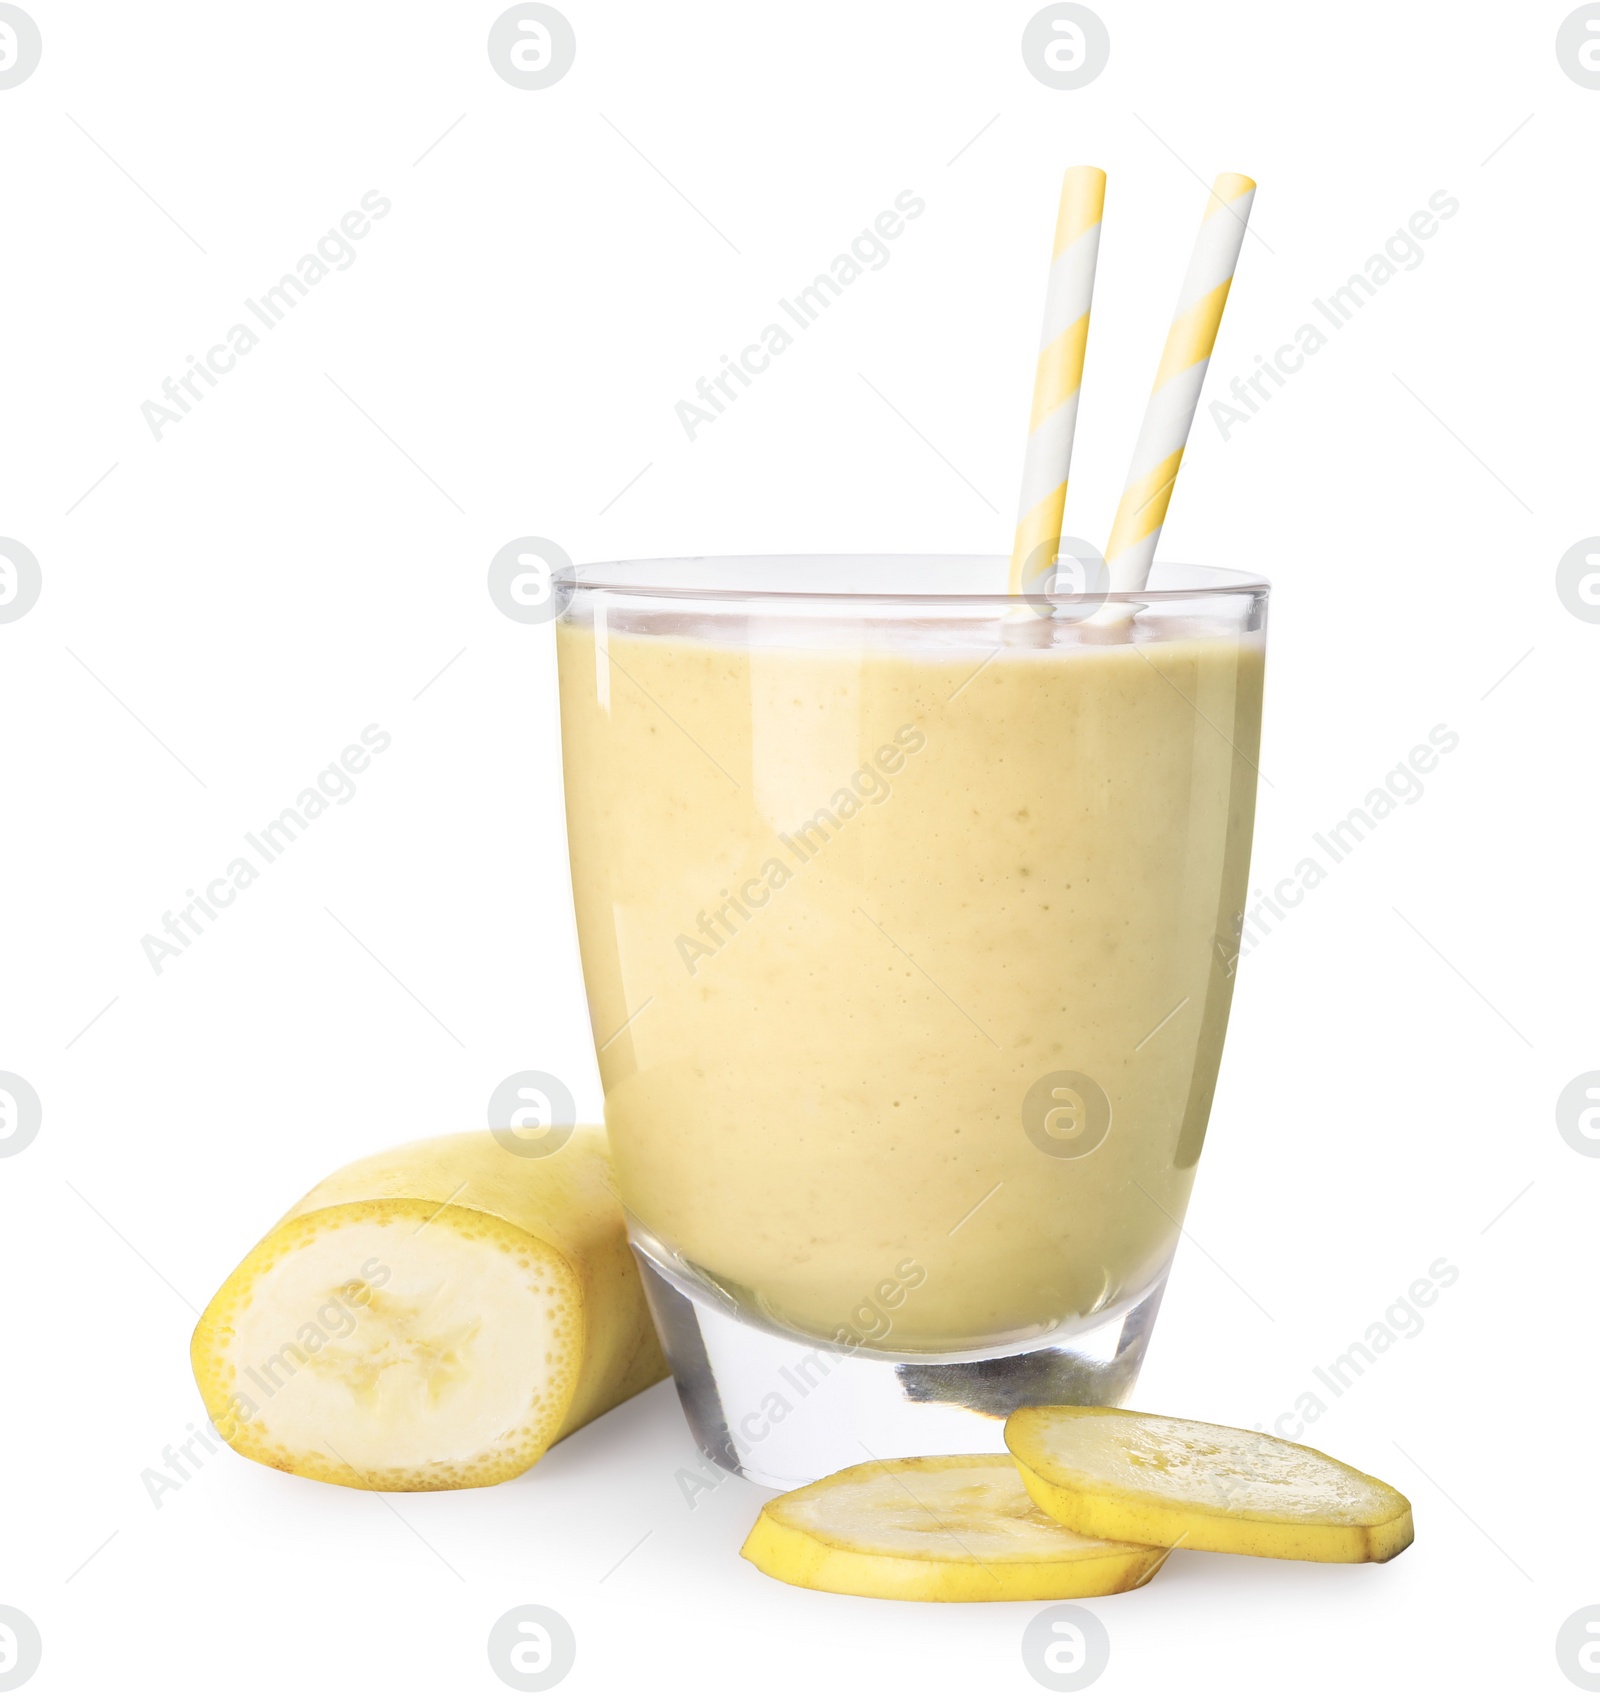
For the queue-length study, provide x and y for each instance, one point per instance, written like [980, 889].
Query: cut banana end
[1110, 1473]
[432, 1317]
[938, 1529]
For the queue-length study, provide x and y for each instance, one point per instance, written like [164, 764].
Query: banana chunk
[432, 1317]
[1110, 1473]
[937, 1529]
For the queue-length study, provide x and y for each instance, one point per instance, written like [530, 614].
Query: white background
[230, 605]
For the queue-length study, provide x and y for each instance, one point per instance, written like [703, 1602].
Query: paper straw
[1176, 393]
[1058, 375]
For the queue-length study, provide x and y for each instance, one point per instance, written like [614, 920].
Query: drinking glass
[908, 912]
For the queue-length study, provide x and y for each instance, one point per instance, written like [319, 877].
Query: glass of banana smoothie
[908, 912]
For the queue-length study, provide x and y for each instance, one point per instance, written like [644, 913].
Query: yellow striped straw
[1058, 375]
[1176, 392]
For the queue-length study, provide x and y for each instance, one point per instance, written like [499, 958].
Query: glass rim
[631, 578]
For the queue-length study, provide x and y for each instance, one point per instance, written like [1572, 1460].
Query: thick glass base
[783, 1410]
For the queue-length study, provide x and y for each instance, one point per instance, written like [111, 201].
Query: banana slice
[431, 1317]
[938, 1529]
[1110, 1473]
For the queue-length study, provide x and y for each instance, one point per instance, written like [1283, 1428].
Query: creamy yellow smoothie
[844, 903]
